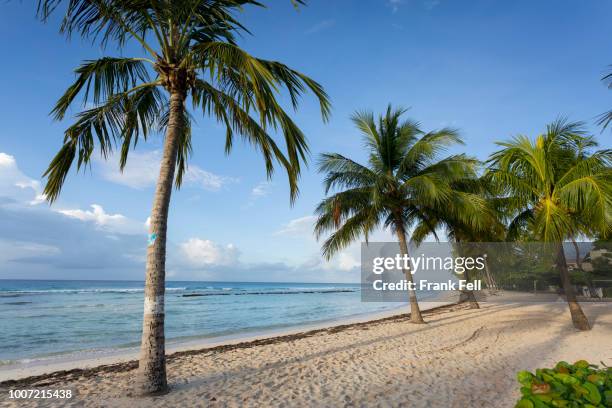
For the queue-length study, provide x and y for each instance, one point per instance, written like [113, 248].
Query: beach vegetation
[581, 384]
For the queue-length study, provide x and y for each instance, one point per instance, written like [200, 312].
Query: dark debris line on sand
[64, 376]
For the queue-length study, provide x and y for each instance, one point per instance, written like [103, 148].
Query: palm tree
[472, 216]
[189, 51]
[403, 175]
[558, 189]
[606, 118]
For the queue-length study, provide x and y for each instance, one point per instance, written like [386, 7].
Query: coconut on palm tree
[404, 173]
[557, 188]
[189, 54]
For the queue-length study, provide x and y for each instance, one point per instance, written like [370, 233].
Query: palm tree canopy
[404, 174]
[557, 187]
[189, 49]
[472, 199]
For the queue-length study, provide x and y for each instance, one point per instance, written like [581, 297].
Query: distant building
[595, 255]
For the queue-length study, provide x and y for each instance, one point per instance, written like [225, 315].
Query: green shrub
[567, 385]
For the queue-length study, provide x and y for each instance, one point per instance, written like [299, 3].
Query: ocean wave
[18, 293]
[271, 292]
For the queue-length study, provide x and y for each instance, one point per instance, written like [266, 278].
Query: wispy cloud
[302, 226]
[11, 177]
[320, 26]
[199, 252]
[142, 170]
[262, 189]
[115, 223]
[395, 4]
[430, 4]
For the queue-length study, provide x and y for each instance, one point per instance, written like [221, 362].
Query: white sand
[466, 358]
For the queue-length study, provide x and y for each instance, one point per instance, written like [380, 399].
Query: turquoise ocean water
[46, 319]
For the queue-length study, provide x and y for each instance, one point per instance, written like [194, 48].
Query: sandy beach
[461, 358]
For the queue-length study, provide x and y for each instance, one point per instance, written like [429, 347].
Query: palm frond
[102, 79]
[123, 118]
[427, 148]
[344, 173]
[553, 184]
[384, 193]
[360, 224]
[231, 113]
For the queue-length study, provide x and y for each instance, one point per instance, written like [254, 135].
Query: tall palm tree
[472, 199]
[606, 118]
[403, 174]
[188, 52]
[558, 188]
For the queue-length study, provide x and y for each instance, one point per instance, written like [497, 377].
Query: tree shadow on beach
[483, 383]
[452, 318]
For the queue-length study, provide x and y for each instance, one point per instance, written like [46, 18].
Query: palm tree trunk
[468, 295]
[577, 249]
[578, 317]
[152, 365]
[491, 284]
[415, 311]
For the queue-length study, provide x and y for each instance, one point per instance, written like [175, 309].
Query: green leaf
[581, 364]
[593, 393]
[524, 403]
[524, 377]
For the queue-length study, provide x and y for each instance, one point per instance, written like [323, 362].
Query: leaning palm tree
[403, 175]
[557, 189]
[606, 118]
[188, 52]
[473, 216]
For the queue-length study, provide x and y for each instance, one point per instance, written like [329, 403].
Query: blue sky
[493, 69]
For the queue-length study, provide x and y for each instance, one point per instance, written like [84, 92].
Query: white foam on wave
[10, 293]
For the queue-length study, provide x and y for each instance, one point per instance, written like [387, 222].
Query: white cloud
[298, 227]
[347, 262]
[262, 189]
[199, 252]
[320, 26]
[395, 4]
[7, 161]
[344, 265]
[206, 179]
[15, 184]
[76, 242]
[21, 189]
[14, 250]
[142, 170]
[37, 242]
[116, 223]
